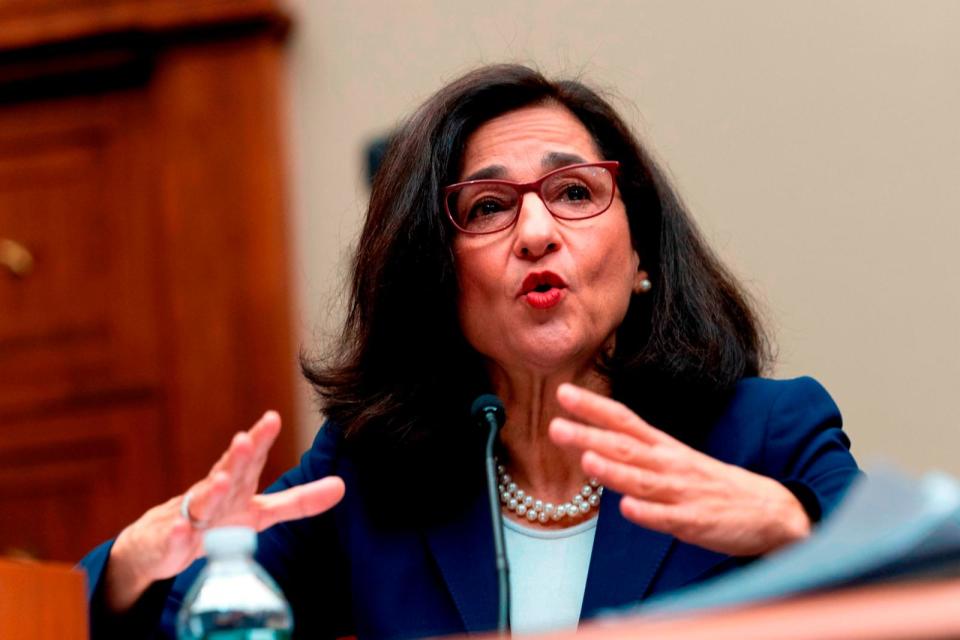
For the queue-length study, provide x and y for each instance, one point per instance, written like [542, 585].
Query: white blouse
[548, 574]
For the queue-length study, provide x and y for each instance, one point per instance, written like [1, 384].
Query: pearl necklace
[515, 499]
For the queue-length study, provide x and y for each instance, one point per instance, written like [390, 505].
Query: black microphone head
[488, 404]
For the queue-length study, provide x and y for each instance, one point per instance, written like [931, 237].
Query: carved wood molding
[37, 23]
[51, 50]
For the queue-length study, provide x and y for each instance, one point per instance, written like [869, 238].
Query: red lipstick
[542, 289]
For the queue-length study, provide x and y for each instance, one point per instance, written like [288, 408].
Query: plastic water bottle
[233, 597]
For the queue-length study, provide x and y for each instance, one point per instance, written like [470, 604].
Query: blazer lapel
[463, 550]
[624, 560]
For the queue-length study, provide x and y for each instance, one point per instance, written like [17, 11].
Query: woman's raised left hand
[672, 488]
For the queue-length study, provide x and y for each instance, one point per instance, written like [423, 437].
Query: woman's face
[586, 270]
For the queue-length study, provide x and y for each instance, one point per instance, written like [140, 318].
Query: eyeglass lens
[571, 194]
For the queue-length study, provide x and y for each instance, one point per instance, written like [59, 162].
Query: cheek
[480, 323]
[470, 298]
[615, 287]
[615, 261]
[476, 280]
[616, 265]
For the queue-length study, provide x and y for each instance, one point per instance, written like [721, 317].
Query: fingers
[630, 480]
[262, 435]
[626, 454]
[208, 496]
[607, 413]
[228, 493]
[234, 478]
[617, 446]
[252, 445]
[298, 502]
[652, 515]
[239, 445]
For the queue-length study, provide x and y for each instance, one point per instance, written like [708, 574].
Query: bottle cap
[224, 541]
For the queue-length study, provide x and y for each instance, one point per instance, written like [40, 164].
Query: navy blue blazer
[346, 575]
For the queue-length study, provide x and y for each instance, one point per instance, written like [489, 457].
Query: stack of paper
[889, 525]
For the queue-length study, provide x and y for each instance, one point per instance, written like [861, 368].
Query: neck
[536, 464]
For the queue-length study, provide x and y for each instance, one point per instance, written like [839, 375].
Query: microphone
[488, 412]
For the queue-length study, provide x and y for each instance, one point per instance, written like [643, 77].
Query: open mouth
[543, 289]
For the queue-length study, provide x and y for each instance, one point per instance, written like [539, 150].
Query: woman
[519, 240]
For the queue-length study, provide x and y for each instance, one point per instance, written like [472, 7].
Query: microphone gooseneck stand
[489, 412]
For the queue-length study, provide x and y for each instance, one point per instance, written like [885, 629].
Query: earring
[645, 285]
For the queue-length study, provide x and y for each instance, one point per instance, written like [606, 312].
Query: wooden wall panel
[69, 478]
[73, 193]
[141, 167]
[211, 100]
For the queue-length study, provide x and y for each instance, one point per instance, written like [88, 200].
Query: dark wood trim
[27, 28]
[91, 50]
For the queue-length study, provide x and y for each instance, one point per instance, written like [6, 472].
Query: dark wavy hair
[401, 378]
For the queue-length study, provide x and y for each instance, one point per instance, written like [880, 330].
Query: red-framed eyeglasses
[573, 192]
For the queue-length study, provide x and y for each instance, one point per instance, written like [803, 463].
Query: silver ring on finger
[185, 512]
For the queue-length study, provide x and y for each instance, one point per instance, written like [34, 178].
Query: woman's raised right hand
[162, 543]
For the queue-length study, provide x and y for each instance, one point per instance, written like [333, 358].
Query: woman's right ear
[641, 282]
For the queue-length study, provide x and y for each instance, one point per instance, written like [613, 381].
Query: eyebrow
[487, 173]
[552, 160]
[557, 159]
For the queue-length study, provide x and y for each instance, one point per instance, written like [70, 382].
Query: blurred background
[182, 183]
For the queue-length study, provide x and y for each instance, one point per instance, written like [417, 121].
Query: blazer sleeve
[300, 555]
[805, 447]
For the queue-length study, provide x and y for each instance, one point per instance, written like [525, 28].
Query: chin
[553, 353]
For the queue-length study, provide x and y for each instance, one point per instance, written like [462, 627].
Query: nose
[536, 230]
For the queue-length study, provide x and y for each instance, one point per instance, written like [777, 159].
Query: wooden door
[79, 340]
[144, 313]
